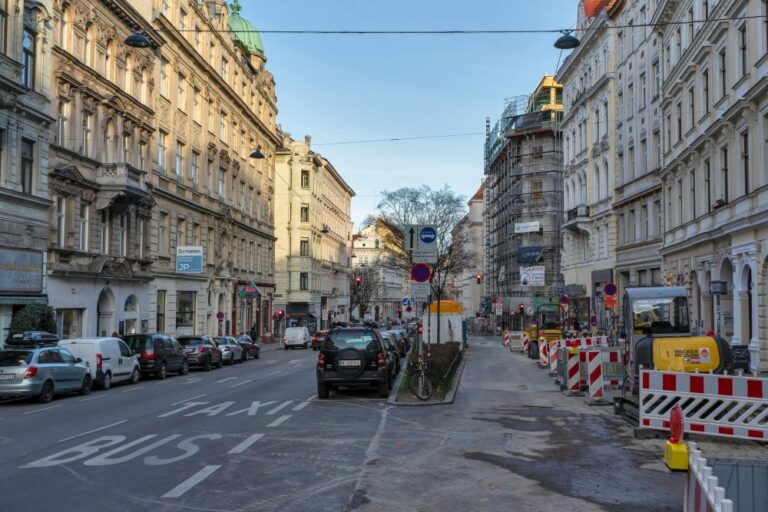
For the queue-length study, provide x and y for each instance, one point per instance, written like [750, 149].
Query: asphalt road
[255, 437]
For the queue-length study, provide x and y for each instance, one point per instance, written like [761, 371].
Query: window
[110, 142]
[632, 226]
[622, 229]
[197, 106]
[4, 24]
[304, 247]
[163, 77]
[161, 310]
[223, 126]
[210, 245]
[705, 9]
[705, 90]
[745, 160]
[143, 155]
[123, 235]
[162, 141]
[304, 179]
[185, 311]
[61, 221]
[656, 78]
[211, 117]
[62, 122]
[223, 67]
[691, 107]
[304, 281]
[181, 232]
[179, 159]
[304, 213]
[708, 183]
[182, 20]
[181, 93]
[105, 219]
[27, 165]
[643, 90]
[743, 50]
[142, 236]
[724, 174]
[85, 217]
[692, 184]
[680, 218]
[193, 167]
[162, 234]
[196, 240]
[679, 119]
[87, 135]
[630, 100]
[221, 183]
[658, 217]
[197, 38]
[69, 323]
[723, 72]
[645, 222]
[127, 145]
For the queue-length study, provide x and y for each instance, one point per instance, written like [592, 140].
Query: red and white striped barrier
[573, 373]
[543, 355]
[506, 339]
[718, 405]
[702, 490]
[552, 350]
[595, 374]
[525, 343]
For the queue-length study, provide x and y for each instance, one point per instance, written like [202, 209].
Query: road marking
[184, 407]
[279, 421]
[187, 399]
[92, 431]
[161, 382]
[294, 361]
[300, 406]
[241, 383]
[311, 397]
[92, 398]
[240, 448]
[133, 388]
[43, 409]
[279, 407]
[225, 380]
[274, 372]
[296, 365]
[190, 482]
[193, 380]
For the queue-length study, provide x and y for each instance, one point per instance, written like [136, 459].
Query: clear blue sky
[340, 88]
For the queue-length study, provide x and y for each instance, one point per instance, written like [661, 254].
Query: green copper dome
[244, 31]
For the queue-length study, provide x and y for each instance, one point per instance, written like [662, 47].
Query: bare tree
[364, 287]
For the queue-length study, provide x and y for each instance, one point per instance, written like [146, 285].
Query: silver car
[231, 351]
[41, 372]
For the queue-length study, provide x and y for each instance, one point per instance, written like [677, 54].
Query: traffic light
[521, 308]
[359, 280]
[399, 312]
[479, 278]
[280, 314]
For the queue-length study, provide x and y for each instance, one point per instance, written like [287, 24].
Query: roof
[243, 31]
[479, 194]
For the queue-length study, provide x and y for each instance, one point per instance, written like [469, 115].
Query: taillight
[201, 350]
[381, 360]
[31, 372]
[148, 354]
[99, 358]
[321, 361]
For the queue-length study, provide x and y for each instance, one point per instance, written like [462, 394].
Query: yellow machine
[547, 324]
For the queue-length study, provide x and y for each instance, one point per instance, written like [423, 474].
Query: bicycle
[420, 383]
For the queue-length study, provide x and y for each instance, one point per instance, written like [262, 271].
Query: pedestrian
[253, 333]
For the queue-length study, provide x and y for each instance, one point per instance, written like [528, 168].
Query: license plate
[7, 376]
[349, 362]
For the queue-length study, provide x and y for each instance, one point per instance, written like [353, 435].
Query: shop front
[21, 284]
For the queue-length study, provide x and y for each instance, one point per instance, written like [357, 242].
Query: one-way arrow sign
[411, 239]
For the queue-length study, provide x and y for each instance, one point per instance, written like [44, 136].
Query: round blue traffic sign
[406, 302]
[428, 234]
[420, 272]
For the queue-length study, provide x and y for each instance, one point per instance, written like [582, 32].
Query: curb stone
[449, 398]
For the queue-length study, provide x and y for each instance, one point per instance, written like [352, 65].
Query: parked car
[393, 351]
[296, 337]
[42, 370]
[354, 355]
[249, 346]
[158, 354]
[403, 340]
[202, 351]
[397, 340]
[31, 337]
[317, 338]
[231, 351]
[109, 359]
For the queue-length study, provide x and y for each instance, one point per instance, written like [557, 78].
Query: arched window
[583, 188]
[110, 142]
[88, 45]
[110, 60]
[567, 196]
[596, 184]
[604, 180]
[145, 86]
[65, 27]
[128, 78]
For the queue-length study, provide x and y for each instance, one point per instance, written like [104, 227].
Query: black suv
[202, 351]
[351, 356]
[158, 354]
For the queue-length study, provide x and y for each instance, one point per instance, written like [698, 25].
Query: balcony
[576, 219]
[120, 180]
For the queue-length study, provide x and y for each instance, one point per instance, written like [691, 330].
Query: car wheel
[162, 373]
[207, 365]
[285, 347]
[306, 346]
[106, 382]
[322, 390]
[258, 354]
[85, 388]
[184, 368]
[220, 363]
[46, 394]
[384, 387]
[135, 376]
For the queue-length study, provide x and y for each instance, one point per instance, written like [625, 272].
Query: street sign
[610, 289]
[610, 301]
[411, 238]
[420, 272]
[220, 315]
[406, 302]
[424, 243]
[499, 308]
[420, 291]
[409, 309]
[427, 235]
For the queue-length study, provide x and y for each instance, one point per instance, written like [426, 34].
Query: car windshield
[661, 316]
[361, 340]
[136, 341]
[15, 357]
[225, 341]
[191, 341]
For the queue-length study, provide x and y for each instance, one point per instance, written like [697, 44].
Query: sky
[345, 88]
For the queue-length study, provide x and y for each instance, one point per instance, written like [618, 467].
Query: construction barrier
[702, 490]
[525, 344]
[505, 341]
[543, 356]
[515, 340]
[553, 351]
[573, 377]
[718, 405]
[595, 372]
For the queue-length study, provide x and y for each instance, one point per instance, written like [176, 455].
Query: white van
[296, 337]
[109, 359]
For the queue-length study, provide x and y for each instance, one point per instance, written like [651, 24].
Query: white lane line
[193, 380]
[225, 380]
[300, 406]
[187, 399]
[240, 448]
[134, 388]
[241, 383]
[92, 398]
[279, 407]
[279, 421]
[161, 382]
[43, 409]
[311, 397]
[296, 365]
[274, 372]
[94, 430]
[190, 482]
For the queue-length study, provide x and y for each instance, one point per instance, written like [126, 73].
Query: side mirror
[78, 360]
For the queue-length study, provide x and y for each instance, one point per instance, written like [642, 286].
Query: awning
[22, 300]
[301, 315]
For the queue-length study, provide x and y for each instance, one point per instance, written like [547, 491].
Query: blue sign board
[406, 302]
[21, 271]
[189, 259]
[428, 234]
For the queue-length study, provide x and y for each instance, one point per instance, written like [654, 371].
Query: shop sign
[189, 259]
[532, 276]
[527, 227]
[21, 271]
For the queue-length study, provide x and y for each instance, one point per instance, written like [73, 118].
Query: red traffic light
[358, 280]
[280, 313]
[479, 278]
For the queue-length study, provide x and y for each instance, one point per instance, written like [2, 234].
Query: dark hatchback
[202, 351]
[251, 349]
[353, 356]
[158, 354]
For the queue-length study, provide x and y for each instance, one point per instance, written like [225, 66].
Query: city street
[255, 437]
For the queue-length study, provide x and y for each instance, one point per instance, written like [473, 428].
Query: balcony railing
[579, 211]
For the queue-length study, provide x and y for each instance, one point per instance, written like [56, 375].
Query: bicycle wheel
[421, 386]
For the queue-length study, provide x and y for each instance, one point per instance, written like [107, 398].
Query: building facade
[314, 237]
[589, 154]
[25, 90]
[470, 231]
[714, 177]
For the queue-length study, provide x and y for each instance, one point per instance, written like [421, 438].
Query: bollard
[543, 355]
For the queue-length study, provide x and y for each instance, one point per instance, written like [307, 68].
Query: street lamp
[567, 41]
[256, 153]
[137, 40]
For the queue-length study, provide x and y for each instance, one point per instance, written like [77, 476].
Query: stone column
[740, 305]
[707, 311]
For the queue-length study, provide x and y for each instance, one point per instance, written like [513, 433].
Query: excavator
[658, 334]
[546, 323]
